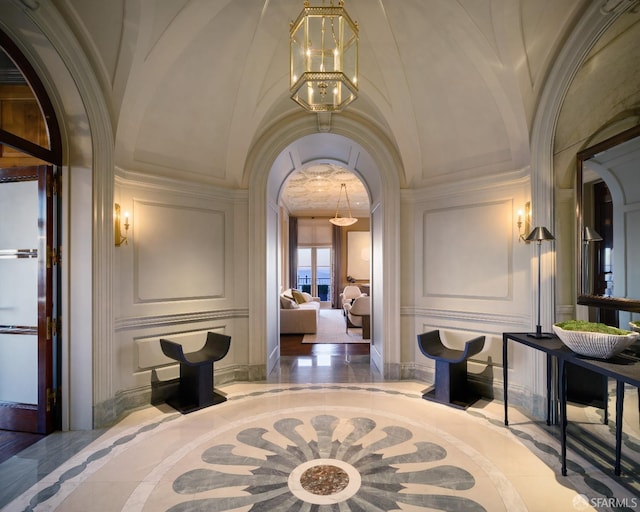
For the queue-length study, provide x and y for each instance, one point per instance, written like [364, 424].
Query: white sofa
[298, 312]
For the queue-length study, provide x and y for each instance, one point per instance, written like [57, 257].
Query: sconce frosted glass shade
[539, 234]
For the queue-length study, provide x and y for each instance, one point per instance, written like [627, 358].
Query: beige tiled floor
[422, 455]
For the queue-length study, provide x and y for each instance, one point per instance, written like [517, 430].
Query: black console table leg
[563, 414]
[548, 389]
[505, 373]
[619, 405]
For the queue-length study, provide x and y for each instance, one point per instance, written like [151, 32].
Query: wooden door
[28, 330]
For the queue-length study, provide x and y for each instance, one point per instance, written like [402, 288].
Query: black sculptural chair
[196, 372]
[451, 387]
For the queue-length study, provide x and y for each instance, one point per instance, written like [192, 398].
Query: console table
[624, 368]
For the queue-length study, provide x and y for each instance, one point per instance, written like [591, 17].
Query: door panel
[26, 300]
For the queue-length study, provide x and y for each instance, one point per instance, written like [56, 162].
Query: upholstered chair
[350, 293]
[359, 315]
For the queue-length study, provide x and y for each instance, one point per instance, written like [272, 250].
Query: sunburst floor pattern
[333, 447]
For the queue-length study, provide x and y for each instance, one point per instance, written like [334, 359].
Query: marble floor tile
[348, 443]
[391, 450]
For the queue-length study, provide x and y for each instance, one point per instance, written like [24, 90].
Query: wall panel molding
[480, 317]
[468, 251]
[186, 245]
[146, 322]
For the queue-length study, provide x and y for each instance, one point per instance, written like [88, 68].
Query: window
[314, 271]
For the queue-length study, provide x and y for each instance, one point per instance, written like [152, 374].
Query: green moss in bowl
[581, 325]
[594, 339]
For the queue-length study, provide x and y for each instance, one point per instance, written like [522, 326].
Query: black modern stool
[196, 372]
[451, 387]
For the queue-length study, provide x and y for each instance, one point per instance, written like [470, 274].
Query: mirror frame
[585, 298]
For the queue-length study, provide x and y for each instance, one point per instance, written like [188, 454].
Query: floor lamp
[539, 234]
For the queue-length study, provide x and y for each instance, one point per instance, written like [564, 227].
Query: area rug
[331, 329]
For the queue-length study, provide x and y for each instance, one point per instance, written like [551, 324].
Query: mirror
[608, 215]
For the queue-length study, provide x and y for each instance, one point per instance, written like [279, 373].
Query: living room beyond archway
[339, 150]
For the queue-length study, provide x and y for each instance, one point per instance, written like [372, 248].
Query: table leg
[505, 372]
[562, 376]
[548, 389]
[619, 405]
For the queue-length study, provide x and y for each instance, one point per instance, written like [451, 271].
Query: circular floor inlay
[324, 480]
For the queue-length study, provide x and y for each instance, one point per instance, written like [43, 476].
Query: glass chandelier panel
[324, 58]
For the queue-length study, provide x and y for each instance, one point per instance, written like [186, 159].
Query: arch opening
[375, 162]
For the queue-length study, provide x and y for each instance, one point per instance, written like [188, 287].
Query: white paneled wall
[184, 245]
[468, 274]
[468, 251]
[182, 273]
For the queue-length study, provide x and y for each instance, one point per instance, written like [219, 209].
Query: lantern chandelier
[343, 221]
[323, 44]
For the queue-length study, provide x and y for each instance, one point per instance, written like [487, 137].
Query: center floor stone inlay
[324, 480]
[353, 462]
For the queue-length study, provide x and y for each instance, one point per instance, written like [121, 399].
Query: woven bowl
[595, 344]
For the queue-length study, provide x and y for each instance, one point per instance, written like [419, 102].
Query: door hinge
[52, 257]
[52, 399]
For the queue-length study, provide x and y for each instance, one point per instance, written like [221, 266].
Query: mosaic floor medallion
[323, 461]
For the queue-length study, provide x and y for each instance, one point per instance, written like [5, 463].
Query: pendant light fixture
[323, 44]
[343, 221]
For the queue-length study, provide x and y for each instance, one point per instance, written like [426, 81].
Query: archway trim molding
[381, 177]
[591, 26]
[87, 138]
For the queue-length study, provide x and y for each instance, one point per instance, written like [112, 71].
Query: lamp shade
[591, 235]
[539, 234]
[343, 221]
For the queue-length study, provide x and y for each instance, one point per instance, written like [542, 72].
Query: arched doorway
[87, 190]
[30, 165]
[281, 150]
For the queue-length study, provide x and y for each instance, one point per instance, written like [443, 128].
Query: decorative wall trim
[488, 387]
[565, 312]
[113, 410]
[495, 184]
[145, 322]
[466, 316]
[153, 183]
[472, 223]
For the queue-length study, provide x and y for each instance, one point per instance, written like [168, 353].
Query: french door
[28, 394]
[314, 271]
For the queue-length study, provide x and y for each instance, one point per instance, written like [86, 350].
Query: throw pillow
[287, 303]
[307, 297]
[298, 297]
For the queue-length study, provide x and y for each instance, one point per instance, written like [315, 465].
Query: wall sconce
[119, 239]
[524, 220]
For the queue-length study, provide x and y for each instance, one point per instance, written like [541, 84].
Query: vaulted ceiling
[452, 84]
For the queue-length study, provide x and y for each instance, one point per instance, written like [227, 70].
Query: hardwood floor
[291, 345]
[14, 442]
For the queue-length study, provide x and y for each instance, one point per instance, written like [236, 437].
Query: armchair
[349, 293]
[359, 315]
